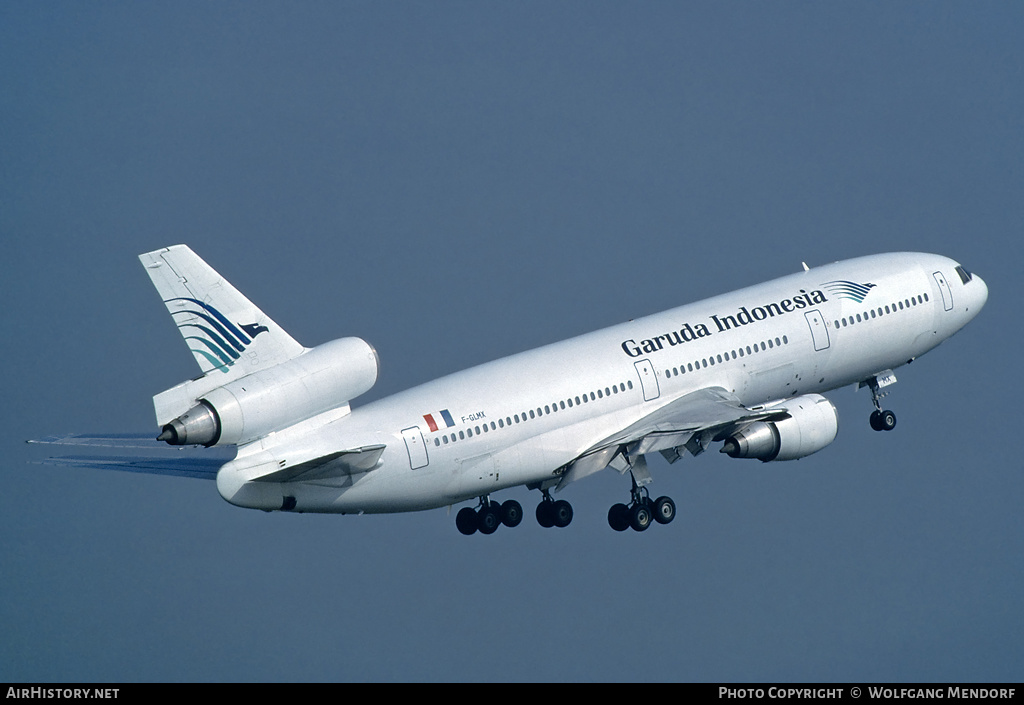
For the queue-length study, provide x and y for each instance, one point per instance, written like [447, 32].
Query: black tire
[640, 516]
[561, 512]
[511, 513]
[875, 420]
[466, 522]
[545, 515]
[618, 517]
[488, 520]
[664, 510]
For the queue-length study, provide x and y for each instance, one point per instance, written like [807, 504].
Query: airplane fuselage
[522, 419]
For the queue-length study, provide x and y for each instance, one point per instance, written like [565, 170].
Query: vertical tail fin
[227, 334]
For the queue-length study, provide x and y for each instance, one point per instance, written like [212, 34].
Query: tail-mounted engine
[812, 424]
[247, 408]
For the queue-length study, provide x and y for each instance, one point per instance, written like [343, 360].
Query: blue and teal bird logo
[848, 290]
[220, 342]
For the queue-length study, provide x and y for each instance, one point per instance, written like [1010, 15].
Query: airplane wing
[342, 463]
[691, 422]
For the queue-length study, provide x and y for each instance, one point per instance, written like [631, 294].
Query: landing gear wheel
[883, 420]
[488, 519]
[873, 420]
[511, 513]
[465, 521]
[640, 517]
[561, 513]
[545, 514]
[618, 517]
[664, 510]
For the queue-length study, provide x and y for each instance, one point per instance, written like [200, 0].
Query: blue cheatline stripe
[234, 343]
[220, 317]
[447, 418]
[213, 348]
[214, 337]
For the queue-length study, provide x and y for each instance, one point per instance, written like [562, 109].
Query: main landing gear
[641, 510]
[881, 420]
[488, 516]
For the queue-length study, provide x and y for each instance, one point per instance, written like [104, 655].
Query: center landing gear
[553, 513]
[641, 510]
[488, 516]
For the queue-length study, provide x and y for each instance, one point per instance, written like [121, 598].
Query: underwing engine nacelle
[247, 408]
[812, 424]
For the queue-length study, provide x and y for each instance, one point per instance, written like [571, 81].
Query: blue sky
[455, 182]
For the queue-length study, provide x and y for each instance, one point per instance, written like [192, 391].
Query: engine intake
[812, 424]
[316, 381]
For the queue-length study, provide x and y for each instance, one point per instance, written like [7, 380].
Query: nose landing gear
[881, 420]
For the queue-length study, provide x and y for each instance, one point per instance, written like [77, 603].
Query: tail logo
[848, 290]
[221, 342]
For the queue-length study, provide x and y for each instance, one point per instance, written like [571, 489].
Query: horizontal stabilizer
[103, 440]
[203, 468]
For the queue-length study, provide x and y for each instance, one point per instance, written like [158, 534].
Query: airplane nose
[981, 292]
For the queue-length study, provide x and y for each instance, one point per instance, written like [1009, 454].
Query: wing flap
[690, 421]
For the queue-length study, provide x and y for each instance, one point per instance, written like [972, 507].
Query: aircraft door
[819, 330]
[416, 447]
[947, 294]
[648, 379]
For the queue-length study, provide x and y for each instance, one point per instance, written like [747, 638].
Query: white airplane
[745, 368]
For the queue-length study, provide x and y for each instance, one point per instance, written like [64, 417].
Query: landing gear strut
[641, 510]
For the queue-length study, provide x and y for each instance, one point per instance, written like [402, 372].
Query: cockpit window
[965, 276]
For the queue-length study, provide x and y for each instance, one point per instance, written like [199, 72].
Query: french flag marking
[438, 419]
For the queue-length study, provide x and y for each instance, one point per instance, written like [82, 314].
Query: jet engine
[812, 425]
[245, 409]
